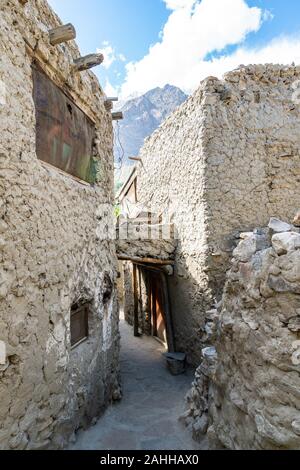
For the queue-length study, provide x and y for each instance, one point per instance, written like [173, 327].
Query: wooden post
[136, 302]
[87, 62]
[167, 310]
[148, 318]
[117, 116]
[61, 34]
[140, 299]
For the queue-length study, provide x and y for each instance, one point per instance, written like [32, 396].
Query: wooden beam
[88, 61]
[112, 98]
[108, 105]
[23, 2]
[135, 159]
[61, 34]
[117, 116]
[160, 262]
[168, 269]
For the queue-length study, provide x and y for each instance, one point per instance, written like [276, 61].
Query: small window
[79, 324]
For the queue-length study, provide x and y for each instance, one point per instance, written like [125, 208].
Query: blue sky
[190, 39]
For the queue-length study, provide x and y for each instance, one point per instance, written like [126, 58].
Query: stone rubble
[278, 226]
[248, 396]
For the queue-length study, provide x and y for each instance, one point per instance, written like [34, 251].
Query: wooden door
[158, 319]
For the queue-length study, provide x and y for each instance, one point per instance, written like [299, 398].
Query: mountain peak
[143, 115]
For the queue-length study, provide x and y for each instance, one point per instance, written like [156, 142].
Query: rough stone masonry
[51, 253]
[246, 391]
[225, 162]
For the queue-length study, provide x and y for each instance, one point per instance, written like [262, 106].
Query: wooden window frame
[85, 310]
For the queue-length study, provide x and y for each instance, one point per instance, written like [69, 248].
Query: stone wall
[246, 391]
[254, 397]
[51, 251]
[224, 162]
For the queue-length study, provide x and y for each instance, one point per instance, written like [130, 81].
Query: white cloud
[110, 55]
[109, 89]
[282, 50]
[193, 30]
[176, 4]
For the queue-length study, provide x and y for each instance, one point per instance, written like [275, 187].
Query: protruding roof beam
[108, 103]
[117, 116]
[62, 34]
[87, 62]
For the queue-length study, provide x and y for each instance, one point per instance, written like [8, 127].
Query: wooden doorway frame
[166, 303]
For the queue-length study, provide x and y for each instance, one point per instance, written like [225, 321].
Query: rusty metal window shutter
[79, 325]
[64, 134]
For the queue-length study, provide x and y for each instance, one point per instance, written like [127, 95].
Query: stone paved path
[147, 416]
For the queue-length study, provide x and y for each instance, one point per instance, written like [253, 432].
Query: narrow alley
[153, 399]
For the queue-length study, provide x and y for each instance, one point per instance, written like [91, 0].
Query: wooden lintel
[168, 269]
[23, 2]
[117, 116]
[161, 262]
[62, 34]
[88, 61]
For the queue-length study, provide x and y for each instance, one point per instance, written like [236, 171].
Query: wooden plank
[88, 61]
[161, 262]
[62, 34]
